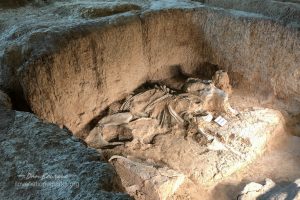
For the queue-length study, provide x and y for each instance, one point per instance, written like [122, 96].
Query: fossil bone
[217, 145]
[158, 100]
[95, 140]
[116, 119]
[163, 118]
[126, 104]
[175, 115]
[221, 80]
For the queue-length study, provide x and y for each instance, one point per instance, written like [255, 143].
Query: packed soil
[280, 162]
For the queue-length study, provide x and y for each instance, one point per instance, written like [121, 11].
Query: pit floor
[280, 162]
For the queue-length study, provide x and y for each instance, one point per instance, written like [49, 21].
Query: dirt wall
[87, 73]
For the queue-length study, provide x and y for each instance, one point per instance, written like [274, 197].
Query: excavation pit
[165, 136]
[77, 62]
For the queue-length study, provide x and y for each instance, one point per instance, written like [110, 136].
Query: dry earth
[67, 61]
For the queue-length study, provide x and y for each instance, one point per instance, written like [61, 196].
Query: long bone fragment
[175, 115]
[116, 119]
[163, 118]
[126, 105]
[152, 104]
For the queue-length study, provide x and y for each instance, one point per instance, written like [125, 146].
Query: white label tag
[221, 121]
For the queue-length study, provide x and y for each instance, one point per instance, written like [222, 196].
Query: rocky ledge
[41, 161]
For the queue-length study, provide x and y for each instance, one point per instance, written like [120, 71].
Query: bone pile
[159, 110]
[160, 138]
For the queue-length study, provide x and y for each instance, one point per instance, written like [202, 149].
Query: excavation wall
[101, 63]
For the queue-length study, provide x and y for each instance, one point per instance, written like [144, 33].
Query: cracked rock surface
[5, 102]
[147, 181]
[41, 161]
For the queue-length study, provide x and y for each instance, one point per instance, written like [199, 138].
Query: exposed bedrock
[5, 102]
[76, 74]
[41, 161]
[287, 11]
[19, 3]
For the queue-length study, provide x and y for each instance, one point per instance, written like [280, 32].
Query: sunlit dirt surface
[280, 162]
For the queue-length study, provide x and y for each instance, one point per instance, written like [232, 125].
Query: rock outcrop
[5, 101]
[146, 181]
[271, 191]
[41, 161]
[287, 11]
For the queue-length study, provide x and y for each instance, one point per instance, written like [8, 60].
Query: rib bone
[150, 105]
[175, 115]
